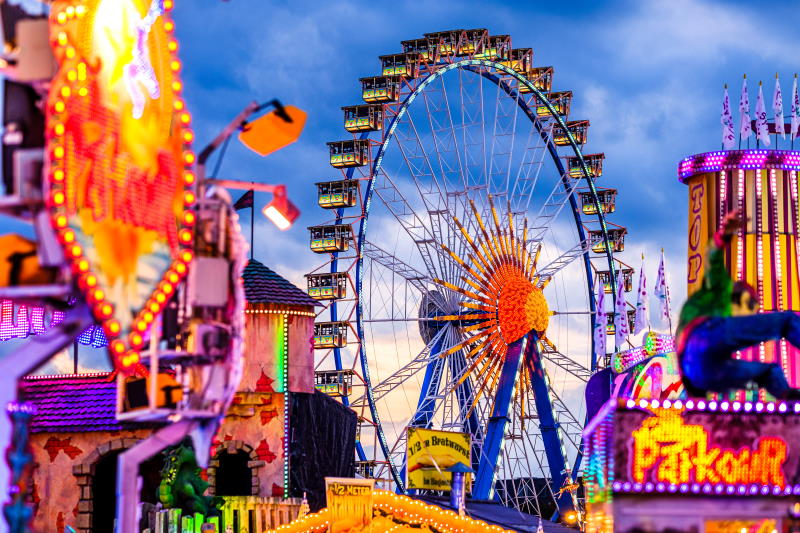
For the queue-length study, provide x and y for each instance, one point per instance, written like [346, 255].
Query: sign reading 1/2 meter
[430, 453]
[119, 161]
[349, 504]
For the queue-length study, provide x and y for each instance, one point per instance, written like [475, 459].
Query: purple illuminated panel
[736, 159]
[28, 321]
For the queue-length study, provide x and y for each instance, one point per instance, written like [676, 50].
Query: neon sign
[668, 451]
[31, 321]
[119, 162]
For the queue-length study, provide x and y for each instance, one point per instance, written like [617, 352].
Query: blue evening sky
[648, 75]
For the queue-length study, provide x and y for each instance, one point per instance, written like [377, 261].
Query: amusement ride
[465, 238]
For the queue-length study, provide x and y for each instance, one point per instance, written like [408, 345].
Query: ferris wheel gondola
[465, 292]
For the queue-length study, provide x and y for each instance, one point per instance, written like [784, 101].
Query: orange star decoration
[503, 293]
[119, 160]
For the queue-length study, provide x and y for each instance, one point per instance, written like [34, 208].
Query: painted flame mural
[119, 161]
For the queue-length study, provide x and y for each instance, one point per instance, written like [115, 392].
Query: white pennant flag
[745, 129]
[795, 111]
[642, 321]
[777, 107]
[600, 323]
[762, 130]
[661, 291]
[728, 137]
[621, 326]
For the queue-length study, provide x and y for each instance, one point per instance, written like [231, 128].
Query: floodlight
[281, 211]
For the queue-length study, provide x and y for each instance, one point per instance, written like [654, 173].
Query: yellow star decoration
[504, 296]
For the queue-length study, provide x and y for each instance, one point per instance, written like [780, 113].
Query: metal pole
[75, 357]
[252, 224]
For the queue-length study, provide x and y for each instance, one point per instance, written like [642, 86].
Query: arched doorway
[233, 475]
[104, 488]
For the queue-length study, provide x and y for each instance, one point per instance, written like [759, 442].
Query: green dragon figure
[181, 485]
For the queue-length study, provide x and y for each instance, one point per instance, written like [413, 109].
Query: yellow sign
[430, 453]
[349, 504]
[749, 526]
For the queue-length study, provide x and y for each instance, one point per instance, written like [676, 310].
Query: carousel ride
[465, 237]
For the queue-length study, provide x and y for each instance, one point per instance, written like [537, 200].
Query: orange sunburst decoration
[503, 293]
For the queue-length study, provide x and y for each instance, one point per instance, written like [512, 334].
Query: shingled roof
[263, 286]
[74, 403]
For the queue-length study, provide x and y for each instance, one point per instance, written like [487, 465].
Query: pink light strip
[734, 159]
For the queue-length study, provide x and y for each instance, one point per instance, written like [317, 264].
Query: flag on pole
[245, 201]
[661, 291]
[745, 130]
[777, 107]
[642, 321]
[621, 327]
[600, 323]
[728, 137]
[762, 130]
[795, 111]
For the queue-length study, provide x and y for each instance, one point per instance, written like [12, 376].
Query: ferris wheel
[461, 244]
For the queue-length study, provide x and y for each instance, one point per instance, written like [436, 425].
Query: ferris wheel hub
[521, 308]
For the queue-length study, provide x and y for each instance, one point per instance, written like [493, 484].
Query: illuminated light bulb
[136, 339]
[154, 307]
[98, 295]
[130, 359]
[188, 218]
[175, 65]
[187, 256]
[173, 277]
[188, 158]
[178, 105]
[72, 75]
[186, 118]
[188, 178]
[90, 280]
[188, 136]
[185, 236]
[148, 316]
[61, 221]
[83, 265]
[113, 327]
[117, 346]
[62, 38]
[106, 309]
[83, 91]
[59, 106]
[58, 152]
[180, 268]
[61, 18]
[68, 236]
[172, 45]
[58, 175]
[58, 129]
[189, 198]
[169, 25]
[167, 288]
[160, 297]
[168, 5]
[141, 325]
[70, 52]
[80, 10]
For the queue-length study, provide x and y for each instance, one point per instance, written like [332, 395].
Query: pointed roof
[263, 286]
